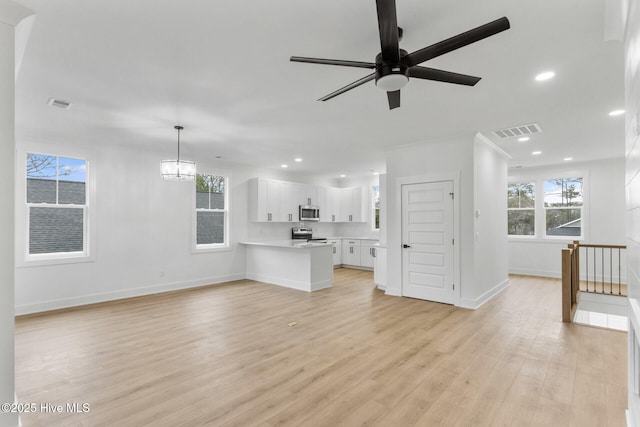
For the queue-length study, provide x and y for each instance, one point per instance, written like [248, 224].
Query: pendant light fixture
[178, 170]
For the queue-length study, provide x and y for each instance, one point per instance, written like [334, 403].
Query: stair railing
[602, 270]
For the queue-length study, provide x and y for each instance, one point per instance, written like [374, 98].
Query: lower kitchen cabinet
[337, 251]
[367, 253]
[351, 252]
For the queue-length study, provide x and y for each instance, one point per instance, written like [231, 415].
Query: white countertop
[375, 239]
[294, 244]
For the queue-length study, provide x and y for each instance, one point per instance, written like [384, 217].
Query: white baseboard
[292, 284]
[121, 294]
[540, 273]
[476, 303]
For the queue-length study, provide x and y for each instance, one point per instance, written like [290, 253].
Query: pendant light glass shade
[178, 170]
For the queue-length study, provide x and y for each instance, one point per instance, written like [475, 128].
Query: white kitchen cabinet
[337, 251]
[332, 206]
[367, 253]
[322, 200]
[264, 200]
[279, 201]
[307, 193]
[351, 252]
[380, 267]
[350, 200]
[289, 201]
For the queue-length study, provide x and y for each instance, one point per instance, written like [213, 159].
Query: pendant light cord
[178, 128]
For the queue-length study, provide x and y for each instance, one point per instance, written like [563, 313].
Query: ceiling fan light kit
[394, 66]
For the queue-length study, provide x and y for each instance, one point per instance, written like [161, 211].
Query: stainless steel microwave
[309, 213]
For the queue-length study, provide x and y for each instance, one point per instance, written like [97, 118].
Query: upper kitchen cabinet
[278, 201]
[264, 200]
[308, 194]
[289, 201]
[350, 200]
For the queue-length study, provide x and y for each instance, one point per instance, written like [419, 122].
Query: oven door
[309, 213]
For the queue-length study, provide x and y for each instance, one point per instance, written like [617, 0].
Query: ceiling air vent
[59, 103]
[521, 130]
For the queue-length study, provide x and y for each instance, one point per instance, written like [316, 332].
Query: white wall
[603, 219]
[10, 15]
[490, 216]
[632, 185]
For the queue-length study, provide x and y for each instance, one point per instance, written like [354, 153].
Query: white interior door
[427, 239]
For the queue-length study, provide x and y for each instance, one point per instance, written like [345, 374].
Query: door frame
[425, 179]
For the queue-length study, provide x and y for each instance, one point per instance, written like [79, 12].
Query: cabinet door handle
[334, 249]
[333, 218]
[406, 246]
[373, 252]
[350, 218]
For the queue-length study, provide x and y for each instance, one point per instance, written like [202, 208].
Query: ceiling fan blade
[394, 99]
[456, 42]
[388, 28]
[349, 87]
[442, 76]
[358, 64]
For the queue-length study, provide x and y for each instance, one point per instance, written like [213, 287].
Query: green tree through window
[521, 211]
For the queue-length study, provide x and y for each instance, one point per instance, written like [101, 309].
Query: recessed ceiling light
[376, 173]
[616, 113]
[536, 153]
[284, 166]
[297, 159]
[568, 159]
[545, 76]
[342, 175]
[524, 139]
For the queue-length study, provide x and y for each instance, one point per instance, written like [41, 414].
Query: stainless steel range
[306, 233]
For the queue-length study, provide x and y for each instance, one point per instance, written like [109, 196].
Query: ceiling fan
[394, 66]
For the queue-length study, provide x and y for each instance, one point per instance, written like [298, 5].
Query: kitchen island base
[307, 268]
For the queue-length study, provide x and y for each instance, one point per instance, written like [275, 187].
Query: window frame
[535, 213]
[212, 247]
[23, 209]
[538, 178]
[550, 208]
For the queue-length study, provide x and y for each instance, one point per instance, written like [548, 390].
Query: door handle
[406, 246]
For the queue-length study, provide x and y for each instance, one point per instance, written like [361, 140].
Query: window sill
[210, 249]
[543, 240]
[38, 261]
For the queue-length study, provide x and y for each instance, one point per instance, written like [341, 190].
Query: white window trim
[23, 258]
[213, 247]
[540, 215]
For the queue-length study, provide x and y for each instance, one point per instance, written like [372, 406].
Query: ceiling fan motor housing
[391, 76]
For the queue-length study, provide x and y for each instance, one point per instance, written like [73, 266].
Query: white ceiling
[134, 69]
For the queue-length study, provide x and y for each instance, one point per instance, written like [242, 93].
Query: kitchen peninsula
[306, 266]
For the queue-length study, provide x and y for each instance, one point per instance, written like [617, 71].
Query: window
[56, 199]
[521, 204]
[211, 211]
[376, 208]
[563, 206]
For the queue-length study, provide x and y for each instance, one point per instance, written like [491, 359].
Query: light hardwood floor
[226, 356]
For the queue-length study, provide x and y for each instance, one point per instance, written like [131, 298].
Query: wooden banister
[571, 274]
